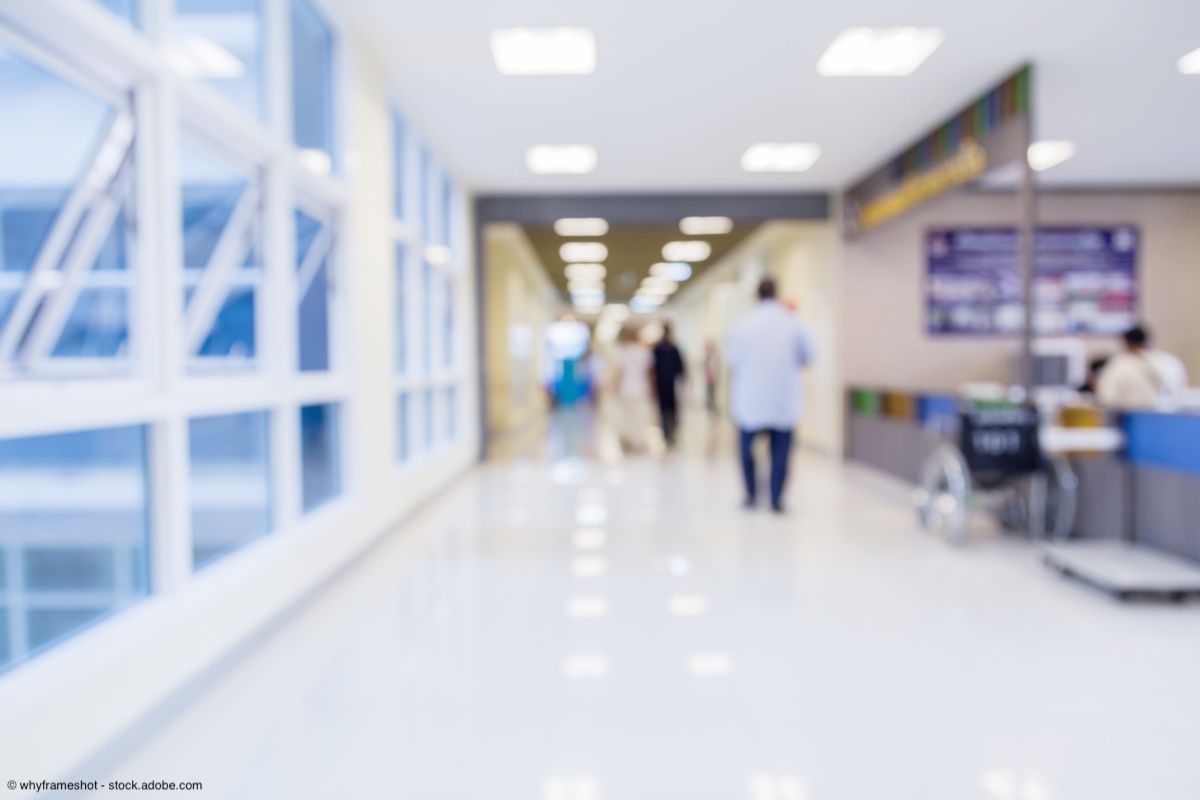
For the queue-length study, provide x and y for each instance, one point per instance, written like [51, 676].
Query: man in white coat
[765, 353]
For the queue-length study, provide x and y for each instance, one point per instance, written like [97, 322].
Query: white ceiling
[682, 88]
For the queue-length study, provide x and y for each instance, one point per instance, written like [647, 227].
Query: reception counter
[1149, 492]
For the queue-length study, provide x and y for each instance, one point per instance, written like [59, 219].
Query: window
[312, 86]
[73, 534]
[447, 211]
[222, 262]
[427, 403]
[426, 316]
[220, 42]
[125, 9]
[399, 310]
[314, 251]
[321, 479]
[230, 483]
[428, 203]
[448, 322]
[66, 183]
[451, 412]
[399, 171]
[402, 429]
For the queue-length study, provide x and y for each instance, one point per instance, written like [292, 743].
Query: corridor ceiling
[682, 88]
[631, 251]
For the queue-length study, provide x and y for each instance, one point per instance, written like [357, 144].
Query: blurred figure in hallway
[633, 374]
[711, 369]
[766, 351]
[1141, 377]
[668, 372]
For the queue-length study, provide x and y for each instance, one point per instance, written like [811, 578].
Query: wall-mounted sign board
[989, 132]
[1085, 281]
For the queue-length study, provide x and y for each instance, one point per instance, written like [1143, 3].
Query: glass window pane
[402, 429]
[314, 253]
[400, 311]
[74, 531]
[426, 316]
[428, 203]
[125, 9]
[230, 483]
[222, 259]
[448, 323]
[312, 85]
[220, 42]
[447, 210]
[428, 422]
[451, 413]
[66, 178]
[321, 478]
[399, 173]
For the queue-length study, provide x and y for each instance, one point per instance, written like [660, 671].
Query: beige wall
[802, 257]
[884, 285]
[520, 303]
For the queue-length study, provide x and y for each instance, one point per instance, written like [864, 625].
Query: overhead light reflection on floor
[591, 495]
[570, 787]
[713, 664]
[765, 786]
[591, 514]
[678, 566]
[687, 605]
[589, 566]
[587, 607]
[1007, 785]
[567, 471]
[585, 666]
[589, 539]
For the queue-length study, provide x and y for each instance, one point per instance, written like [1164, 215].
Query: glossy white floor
[561, 628]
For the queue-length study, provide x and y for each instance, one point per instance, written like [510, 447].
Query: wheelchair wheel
[943, 500]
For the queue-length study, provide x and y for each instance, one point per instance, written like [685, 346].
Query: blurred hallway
[558, 627]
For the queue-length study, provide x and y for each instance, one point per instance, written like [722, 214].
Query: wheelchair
[994, 462]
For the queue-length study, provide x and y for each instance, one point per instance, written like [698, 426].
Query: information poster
[1086, 281]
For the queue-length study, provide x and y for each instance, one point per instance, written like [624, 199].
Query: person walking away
[1141, 377]
[634, 365]
[766, 351]
[711, 367]
[668, 372]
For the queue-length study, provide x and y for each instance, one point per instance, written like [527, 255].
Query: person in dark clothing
[668, 371]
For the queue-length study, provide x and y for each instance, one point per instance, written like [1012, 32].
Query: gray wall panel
[1167, 510]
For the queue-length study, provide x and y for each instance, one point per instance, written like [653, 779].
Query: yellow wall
[520, 303]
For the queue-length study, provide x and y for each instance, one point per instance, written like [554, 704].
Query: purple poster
[1086, 281]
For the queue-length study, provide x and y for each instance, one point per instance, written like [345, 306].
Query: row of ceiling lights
[855, 52]
[585, 270]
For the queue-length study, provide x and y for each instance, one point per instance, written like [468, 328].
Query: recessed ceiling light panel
[689, 251]
[581, 226]
[879, 52]
[675, 270]
[544, 51]
[780, 157]
[1190, 64]
[593, 252]
[1049, 153]
[585, 272]
[561, 159]
[705, 226]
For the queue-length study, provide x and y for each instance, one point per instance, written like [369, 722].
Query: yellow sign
[964, 166]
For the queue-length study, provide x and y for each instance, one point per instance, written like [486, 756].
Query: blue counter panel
[1167, 441]
[939, 410]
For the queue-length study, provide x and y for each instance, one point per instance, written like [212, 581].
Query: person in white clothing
[634, 364]
[765, 353]
[1141, 377]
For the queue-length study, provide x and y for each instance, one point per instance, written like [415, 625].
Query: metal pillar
[1026, 235]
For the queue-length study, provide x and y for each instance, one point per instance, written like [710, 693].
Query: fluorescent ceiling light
[581, 226]
[779, 157]
[544, 51]
[198, 57]
[616, 311]
[1190, 64]
[561, 159]
[585, 287]
[585, 272]
[593, 252]
[694, 250]
[644, 305]
[317, 161]
[437, 254]
[705, 226]
[879, 52]
[675, 270]
[659, 285]
[1049, 153]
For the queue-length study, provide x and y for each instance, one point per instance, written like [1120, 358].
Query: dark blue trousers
[781, 446]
